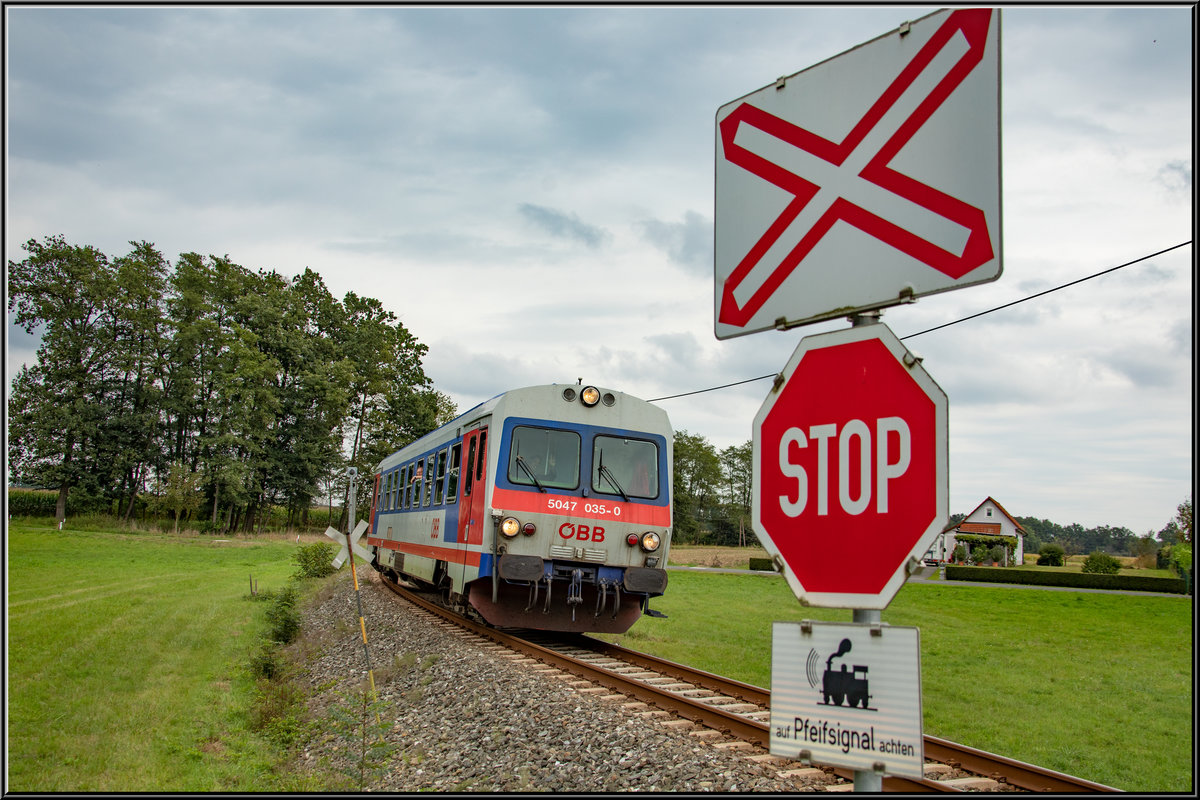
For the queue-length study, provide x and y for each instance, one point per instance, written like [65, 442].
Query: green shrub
[315, 560]
[1051, 555]
[762, 564]
[979, 555]
[997, 554]
[282, 616]
[960, 553]
[1101, 564]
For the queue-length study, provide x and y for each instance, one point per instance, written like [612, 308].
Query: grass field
[127, 655]
[1097, 685]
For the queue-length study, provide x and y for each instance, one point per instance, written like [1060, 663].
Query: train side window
[440, 485]
[470, 468]
[390, 481]
[429, 467]
[397, 488]
[415, 483]
[482, 455]
[452, 478]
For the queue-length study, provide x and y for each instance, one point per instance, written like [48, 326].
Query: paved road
[929, 575]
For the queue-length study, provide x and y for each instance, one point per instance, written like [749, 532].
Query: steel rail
[1016, 773]
[711, 716]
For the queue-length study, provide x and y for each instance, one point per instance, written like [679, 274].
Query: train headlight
[650, 541]
[510, 526]
[590, 396]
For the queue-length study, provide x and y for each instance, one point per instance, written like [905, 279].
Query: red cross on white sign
[866, 202]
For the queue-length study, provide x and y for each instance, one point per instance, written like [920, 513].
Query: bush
[315, 560]
[282, 615]
[997, 554]
[1051, 555]
[1101, 564]
[762, 564]
[960, 553]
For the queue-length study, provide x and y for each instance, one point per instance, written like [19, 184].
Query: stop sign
[850, 467]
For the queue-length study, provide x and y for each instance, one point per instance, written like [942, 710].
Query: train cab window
[625, 467]
[452, 473]
[429, 467]
[440, 485]
[545, 457]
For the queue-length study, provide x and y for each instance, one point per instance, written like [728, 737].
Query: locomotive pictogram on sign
[837, 194]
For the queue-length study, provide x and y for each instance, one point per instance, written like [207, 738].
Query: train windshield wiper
[606, 473]
[521, 463]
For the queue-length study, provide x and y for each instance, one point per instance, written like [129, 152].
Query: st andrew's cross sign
[867, 180]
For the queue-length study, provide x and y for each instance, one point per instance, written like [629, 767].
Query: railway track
[741, 710]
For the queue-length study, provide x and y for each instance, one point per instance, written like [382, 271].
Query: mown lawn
[126, 660]
[1097, 685]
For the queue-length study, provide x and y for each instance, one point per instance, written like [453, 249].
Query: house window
[989, 512]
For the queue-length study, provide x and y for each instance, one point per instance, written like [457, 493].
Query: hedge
[762, 564]
[44, 502]
[1077, 580]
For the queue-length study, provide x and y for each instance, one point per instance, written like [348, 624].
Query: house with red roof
[988, 521]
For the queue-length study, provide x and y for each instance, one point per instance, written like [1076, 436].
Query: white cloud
[531, 191]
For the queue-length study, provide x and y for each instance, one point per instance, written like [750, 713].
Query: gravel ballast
[459, 716]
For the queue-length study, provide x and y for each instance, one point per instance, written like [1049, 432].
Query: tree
[737, 484]
[179, 491]
[58, 406]
[1183, 520]
[696, 481]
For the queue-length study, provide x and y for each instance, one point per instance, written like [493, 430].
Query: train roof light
[590, 396]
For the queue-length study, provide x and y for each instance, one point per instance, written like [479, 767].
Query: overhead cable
[954, 322]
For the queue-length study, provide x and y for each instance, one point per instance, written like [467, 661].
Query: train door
[471, 517]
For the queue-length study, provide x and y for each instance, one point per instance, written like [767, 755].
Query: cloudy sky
[531, 191]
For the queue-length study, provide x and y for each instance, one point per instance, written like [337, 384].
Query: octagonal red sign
[850, 467]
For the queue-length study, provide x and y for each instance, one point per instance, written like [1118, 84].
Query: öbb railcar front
[547, 507]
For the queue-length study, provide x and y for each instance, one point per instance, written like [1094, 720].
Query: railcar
[546, 507]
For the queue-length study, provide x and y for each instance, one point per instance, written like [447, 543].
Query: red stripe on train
[581, 507]
[467, 557]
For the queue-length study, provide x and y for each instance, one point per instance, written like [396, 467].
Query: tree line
[712, 492]
[246, 388]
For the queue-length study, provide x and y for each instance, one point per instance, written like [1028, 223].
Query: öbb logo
[581, 533]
